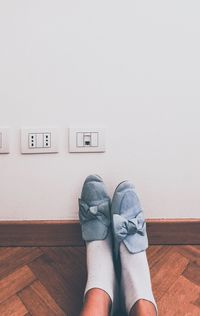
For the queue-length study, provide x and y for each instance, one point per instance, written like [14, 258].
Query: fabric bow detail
[99, 212]
[124, 227]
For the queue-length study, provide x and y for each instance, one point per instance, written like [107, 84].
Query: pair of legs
[97, 302]
[116, 240]
[102, 293]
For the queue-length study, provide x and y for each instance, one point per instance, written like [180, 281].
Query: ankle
[143, 307]
[98, 301]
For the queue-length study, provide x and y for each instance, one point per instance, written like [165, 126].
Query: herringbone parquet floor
[49, 281]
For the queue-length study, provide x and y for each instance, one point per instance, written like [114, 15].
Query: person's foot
[130, 239]
[94, 209]
[128, 221]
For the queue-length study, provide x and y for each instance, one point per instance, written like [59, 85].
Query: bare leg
[143, 308]
[97, 302]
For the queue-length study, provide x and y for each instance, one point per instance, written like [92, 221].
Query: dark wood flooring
[49, 281]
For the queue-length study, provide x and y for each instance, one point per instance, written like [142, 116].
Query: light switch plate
[4, 140]
[39, 140]
[86, 140]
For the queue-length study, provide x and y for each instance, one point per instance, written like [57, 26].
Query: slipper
[94, 209]
[128, 221]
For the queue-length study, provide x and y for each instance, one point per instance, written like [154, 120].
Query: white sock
[135, 278]
[100, 267]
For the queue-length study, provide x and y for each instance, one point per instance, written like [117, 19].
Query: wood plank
[191, 252]
[151, 251]
[163, 275]
[173, 231]
[192, 273]
[39, 302]
[197, 302]
[158, 253]
[58, 288]
[70, 262]
[14, 282]
[180, 299]
[15, 257]
[40, 233]
[68, 233]
[13, 307]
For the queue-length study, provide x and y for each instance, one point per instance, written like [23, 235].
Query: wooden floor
[49, 281]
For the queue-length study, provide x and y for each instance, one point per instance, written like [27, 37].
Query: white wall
[131, 66]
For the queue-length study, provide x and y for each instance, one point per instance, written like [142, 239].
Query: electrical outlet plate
[39, 140]
[86, 140]
[4, 140]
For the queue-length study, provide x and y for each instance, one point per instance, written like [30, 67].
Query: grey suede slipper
[94, 209]
[128, 220]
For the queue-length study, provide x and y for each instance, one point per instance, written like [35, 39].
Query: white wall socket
[39, 140]
[86, 140]
[4, 140]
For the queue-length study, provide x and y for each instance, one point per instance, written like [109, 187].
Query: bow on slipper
[124, 227]
[100, 212]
